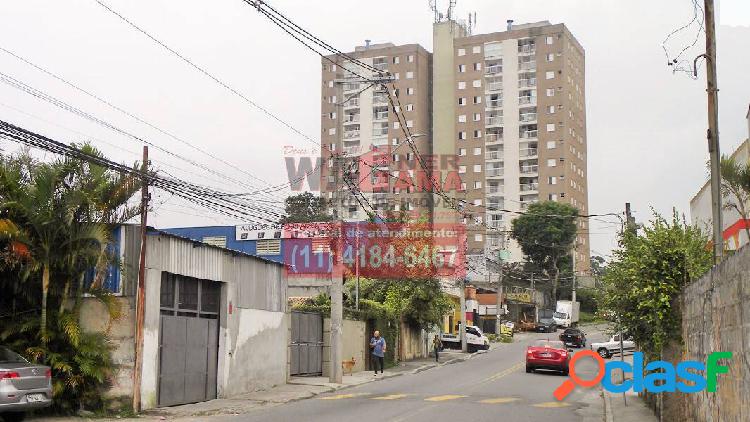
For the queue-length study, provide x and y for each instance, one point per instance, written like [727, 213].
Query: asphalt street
[489, 387]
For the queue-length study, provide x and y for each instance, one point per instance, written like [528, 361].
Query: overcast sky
[646, 125]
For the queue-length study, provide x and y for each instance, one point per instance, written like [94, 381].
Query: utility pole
[713, 129]
[629, 219]
[462, 304]
[573, 292]
[141, 293]
[499, 298]
[336, 352]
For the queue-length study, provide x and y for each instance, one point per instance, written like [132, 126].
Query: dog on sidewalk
[348, 365]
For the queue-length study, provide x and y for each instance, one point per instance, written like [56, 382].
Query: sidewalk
[616, 409]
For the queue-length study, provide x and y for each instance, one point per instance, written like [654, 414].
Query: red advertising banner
[375, 250]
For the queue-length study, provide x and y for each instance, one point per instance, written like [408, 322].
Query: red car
[548, 354]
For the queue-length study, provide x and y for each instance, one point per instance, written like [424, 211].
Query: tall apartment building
[509, 107]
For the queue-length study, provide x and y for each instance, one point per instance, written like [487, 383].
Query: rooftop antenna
[451, 6]
[433, 7]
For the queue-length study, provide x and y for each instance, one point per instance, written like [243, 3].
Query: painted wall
[354, 344]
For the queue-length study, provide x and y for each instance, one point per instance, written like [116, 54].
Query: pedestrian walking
[378, 346]
[437, 344]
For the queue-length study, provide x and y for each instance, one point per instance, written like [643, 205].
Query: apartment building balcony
[527, 49]
[527, 100]
[490, 104]
[495, 205]
[529, 188]
[350, 86]
[527, 117]
[528, 134]
[493, 121]
[380, 65]
[527, 83]
[380, 100]
[351, 103]
[529, 170]
[494, 172]
[527, 66]
[351, 134]
[380, 132]
[380, 115]
[493, 155]
[528, 152]
[493, 86]
[493, 70]
[493, 138]
[351, 118]
[493, 190]
[352, 150]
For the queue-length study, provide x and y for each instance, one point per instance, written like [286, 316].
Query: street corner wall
[94, 319]
[413, 342]
[254, 352]
[353, 335]
[716, 321]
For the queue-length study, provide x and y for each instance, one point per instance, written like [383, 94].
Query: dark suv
[574, 337]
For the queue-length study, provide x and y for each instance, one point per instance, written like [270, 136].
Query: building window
[461, 118]
[461, 169]
[409, 91]
[476, 49]
[461, 52]
[332, 147]
[550, 92]
[268, 247]
[410, 107]
[477, 83]
[332, 131]
[477, 237]
[552, 162]
[551, 57]
[395, 141]
[477, 151]
[550, 40]
[548, 75]
[551, 109]
[461, 152]
[478, 66]
[463, 186]
[550, 127]
[477, 202]
[462, 101]
[477, 134]
[477, 185]
[477, 117]
[461, 68]
[551, 144]
[552, 180]
[396, 60]
[409, 75]
[461, 136]
[462, 85]
[477, 99]
[410, 58]
[552, 197]
[410, 123]
[477, 168]
[332, 116]
[396, 125]
[397, 76]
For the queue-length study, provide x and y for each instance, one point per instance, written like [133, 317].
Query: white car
[612, 347]
[475, 340]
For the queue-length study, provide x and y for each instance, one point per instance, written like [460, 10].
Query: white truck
[475, 340]
[567, 313]
[611, 347]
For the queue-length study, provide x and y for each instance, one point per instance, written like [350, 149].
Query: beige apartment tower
[508, 106]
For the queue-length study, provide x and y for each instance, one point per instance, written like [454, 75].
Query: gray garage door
[307, 344]
[189, 340]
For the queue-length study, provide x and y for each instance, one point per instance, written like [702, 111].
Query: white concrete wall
[150, 371]
[254, 354]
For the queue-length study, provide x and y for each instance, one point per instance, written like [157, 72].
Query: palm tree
[60, 212]
[735, 188]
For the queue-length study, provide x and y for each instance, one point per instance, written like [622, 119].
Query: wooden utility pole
[713, 129]
[141, 292]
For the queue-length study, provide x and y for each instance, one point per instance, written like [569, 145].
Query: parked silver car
[23, 386]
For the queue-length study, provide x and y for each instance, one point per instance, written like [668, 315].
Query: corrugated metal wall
[257, 284]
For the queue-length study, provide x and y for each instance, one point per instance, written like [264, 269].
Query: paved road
[490, 387]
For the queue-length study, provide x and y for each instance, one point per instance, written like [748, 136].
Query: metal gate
[188, 340]
[307, 344]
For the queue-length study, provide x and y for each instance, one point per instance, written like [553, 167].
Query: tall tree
[735, 188]
[305, 208]
[546, 233]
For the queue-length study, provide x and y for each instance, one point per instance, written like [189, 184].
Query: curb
[608, 416]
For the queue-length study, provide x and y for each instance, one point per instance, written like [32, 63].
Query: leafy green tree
[598, 266]
[305, 208]
[546, 233]
[735, 188]
[647, 274]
